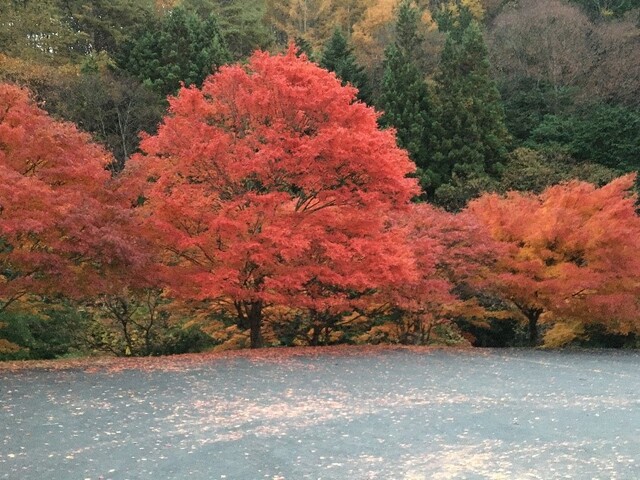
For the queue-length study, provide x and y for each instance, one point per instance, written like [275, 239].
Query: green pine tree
[241, 22]
[339, 58]
[183, 48]
[405, 98]
[407, 37]
[472, 138]
[303, 46]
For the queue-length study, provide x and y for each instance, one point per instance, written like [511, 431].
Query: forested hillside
[101, 248]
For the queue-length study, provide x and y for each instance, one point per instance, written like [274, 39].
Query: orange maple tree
[572, 257]
[272, 185]
[61, 228]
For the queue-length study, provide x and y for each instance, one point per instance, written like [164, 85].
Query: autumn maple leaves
[271, 187]
[61, 229]
[570, 256]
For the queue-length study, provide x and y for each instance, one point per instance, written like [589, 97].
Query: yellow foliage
[378, 17]
[354, 318]
[237, 341]
[562, 334]
[8, 347]
[428, 21]
[474, 6]
[24, 71]
[219, 331]
[163, 6]
[385, 333]
[313, 20]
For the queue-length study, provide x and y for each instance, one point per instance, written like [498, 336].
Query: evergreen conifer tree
[405, 98]
[183, 48]
[303, 46]
[338, 57]
[472, 138]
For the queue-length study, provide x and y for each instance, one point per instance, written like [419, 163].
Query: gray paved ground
[392, 415]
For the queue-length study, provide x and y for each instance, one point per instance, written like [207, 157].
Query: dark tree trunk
[254, 314]
[315, 336]
[316, 330]
[533, 315]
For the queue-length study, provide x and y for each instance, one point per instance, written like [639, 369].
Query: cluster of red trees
[271, 186]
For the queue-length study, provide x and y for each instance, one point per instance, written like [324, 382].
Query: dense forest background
[485, 95]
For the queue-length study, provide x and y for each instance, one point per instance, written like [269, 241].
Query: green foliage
[526, 103]
[605, 134]
[182, 48]
[452, 16]
[140, 324]
[37, 30]
[178, 339]
[596, 336]
[405, 98]
[53, 332]
[467, 181]
[607, 8]
[304, 47]
[497, 333]
[533, 171]
[58, 31]
[339, 58]
[407, 38]
[112, 107]
[105, 25]
[472, 139]
[241, 23]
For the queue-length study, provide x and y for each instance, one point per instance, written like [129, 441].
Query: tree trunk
[255, 324]
[316, 330]
[315, 336]
[533, 315]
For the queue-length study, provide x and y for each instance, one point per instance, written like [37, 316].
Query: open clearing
[326, 414]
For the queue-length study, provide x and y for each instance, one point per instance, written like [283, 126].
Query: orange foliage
[572, 254]
[8, 347]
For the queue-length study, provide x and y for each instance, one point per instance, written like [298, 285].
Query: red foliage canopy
[452, 254]
[60, 227]
[272, 185]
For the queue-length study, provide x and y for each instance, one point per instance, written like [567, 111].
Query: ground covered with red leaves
[179, 362]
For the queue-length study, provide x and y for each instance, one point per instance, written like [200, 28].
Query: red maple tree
[453, 254]
[61, 228]
[571, 259]
[272, 185]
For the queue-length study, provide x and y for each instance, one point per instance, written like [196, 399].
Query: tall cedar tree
[338, 57]
[405, 98]
[104, 25]
[571, 259]
[182, 48]
[242, 23]
[37, 31]
[62, 231]
[303, 46]
[472, 139]
[271, 186]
